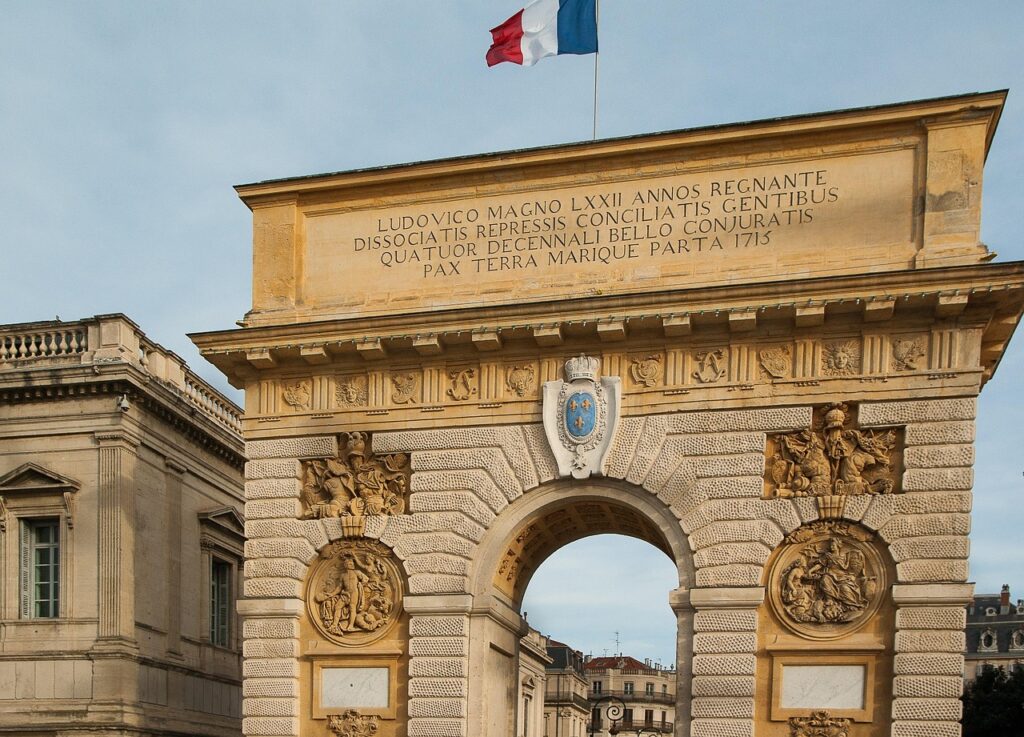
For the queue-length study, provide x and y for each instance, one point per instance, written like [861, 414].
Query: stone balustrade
[107, 339]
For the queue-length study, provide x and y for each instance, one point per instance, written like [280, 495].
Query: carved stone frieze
[351, 391]
[819, 724]
[833, 458]
[353, 724]
[710, 366]
[405, 387]
[521, 380]
[355, 483]
[777, 362]
[297, 395]
[840, 358]
[645, 370]
[462, 384]
[906, 352]
[827, 580]
[354, 592]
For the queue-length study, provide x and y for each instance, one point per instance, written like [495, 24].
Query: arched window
[988, 640]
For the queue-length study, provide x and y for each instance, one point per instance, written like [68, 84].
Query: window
[627, 717]
[220, 602]
[597, 687]
[595, 717]
[987, 640]
[664, 689]
[648, 717]
[663, 717]
[40, 568]
[649, 689]
[627, 688]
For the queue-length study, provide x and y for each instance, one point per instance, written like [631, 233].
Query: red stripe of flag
[507, 45]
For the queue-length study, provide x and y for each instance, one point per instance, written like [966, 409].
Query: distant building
[647, 691]
[121, 535]
[533, 664]
[566, 708]
[995, 634]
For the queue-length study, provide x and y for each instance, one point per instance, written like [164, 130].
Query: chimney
[1004, 596]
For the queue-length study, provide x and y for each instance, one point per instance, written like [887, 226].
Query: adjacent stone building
[121, 536]
[995, 634]
[647, 694]
[566, 707]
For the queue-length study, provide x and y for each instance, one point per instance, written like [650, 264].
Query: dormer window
[987, 641]
[990, 611]
[1017, 640]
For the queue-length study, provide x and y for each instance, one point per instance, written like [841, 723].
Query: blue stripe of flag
[577, 26]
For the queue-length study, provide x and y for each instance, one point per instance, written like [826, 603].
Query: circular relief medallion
[354, 594]
[828, 581]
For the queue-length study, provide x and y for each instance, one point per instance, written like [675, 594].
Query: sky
[125, 125]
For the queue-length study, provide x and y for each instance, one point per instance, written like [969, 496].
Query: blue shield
[580, 414]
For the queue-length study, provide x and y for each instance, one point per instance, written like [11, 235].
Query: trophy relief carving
[353, 724]
[827, 579]
[521, 380]
[354, 593]
[906, 353]
[776, 362]
[832, 457]
[406, 385]
[645, 370]
[297, 395]
[356, 482]
[819, 724]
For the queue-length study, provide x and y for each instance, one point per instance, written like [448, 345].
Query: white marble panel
[354, 688]
[822, 687]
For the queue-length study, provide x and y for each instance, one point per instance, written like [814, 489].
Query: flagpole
[597, 55]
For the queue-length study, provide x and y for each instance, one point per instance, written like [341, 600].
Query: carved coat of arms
[580, 416]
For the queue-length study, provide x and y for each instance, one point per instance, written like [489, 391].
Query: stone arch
[495, 623]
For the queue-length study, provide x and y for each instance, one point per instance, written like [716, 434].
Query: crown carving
[582, 367]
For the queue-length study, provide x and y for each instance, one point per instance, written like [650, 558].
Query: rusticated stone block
[272, 588]
[438, 667]
[728, 686]
[732, 575]
[931, 618]
[679, 487]
[438, 626]
[936, 710]
[271, 687]
[855, 507]
[722, 728]
[728, 553]
[916, 571]
[431, 583]
[647, 448]
[437, 563]
[929, 687]
[276, 668]
[323, 446]
[437, 708]
[939, 433]
[490, 459]
[450, 501]
[806, 507]
[929, 664]
[420, 727]
[277, 469]
[259, 648]
[930, 641]
[474, 480]
[931, 502]
[298, 548]
[272, 509]
[731, 488]
[765, 532]
[540, 452]
[437, 687]
[748, 464]
[273, 528]
[724, 665]
[273, 489]
[270, 726]
[906, 413]
[924, 525]
[620, 456]
[749, 420]
[706, 643]
[938, 456]
[439, 647]
[736, 620]
[456, 522]
[727, 708]
[926, 729]
[440, 542]
[275, 568]
[278, 627]
[938, 479]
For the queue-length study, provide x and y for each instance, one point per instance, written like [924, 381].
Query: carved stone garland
[827, 580]
[354, 593]
[833, 458]
[819, 724]
[353, 724]
[356, 483]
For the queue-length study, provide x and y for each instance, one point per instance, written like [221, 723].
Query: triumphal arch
[756, 346]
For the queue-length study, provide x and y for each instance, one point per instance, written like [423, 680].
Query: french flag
[545, 28]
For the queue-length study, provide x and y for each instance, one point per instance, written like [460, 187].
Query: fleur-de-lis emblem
[586, 404]
[579, 423]
[573, 406]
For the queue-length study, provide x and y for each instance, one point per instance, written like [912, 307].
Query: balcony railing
[631, 725]
[637, 696]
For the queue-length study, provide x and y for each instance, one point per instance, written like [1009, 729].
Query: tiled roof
[622, 662]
